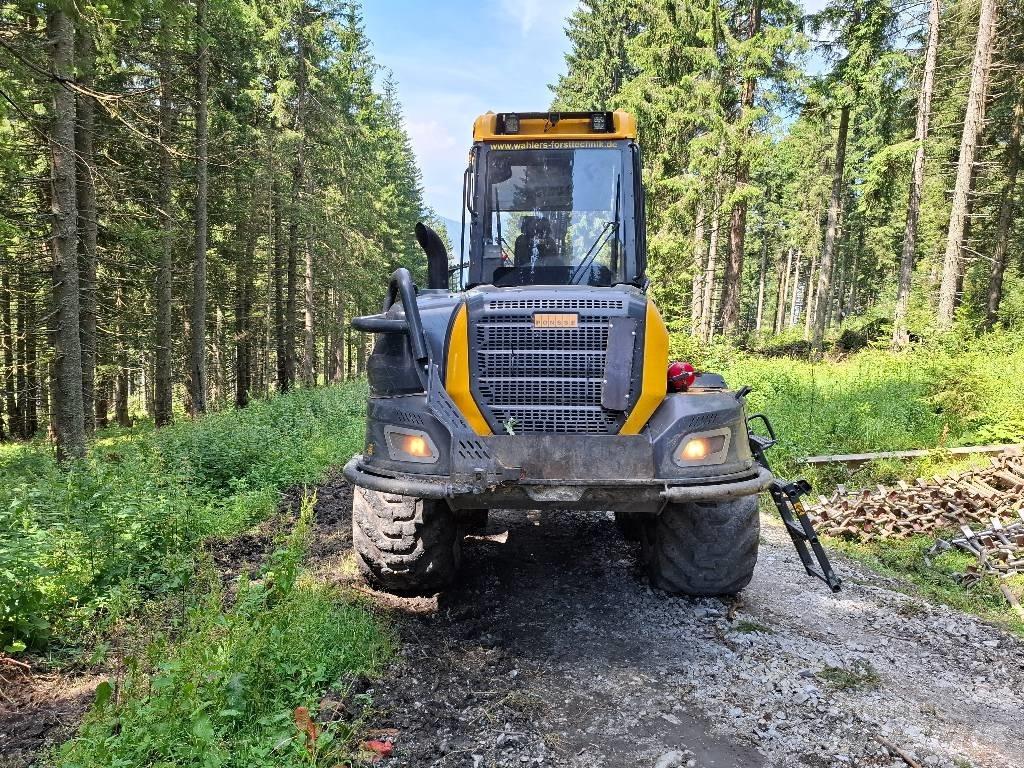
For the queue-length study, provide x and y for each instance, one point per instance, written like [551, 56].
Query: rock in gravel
[673, 759]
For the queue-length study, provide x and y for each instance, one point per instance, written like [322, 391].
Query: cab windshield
[553, 217]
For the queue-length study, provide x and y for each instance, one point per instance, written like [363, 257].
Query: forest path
[552, 650]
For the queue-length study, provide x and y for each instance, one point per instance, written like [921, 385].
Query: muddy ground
[553, 651]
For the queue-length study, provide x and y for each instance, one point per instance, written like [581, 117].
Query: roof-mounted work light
[508, 122]
[601, 122]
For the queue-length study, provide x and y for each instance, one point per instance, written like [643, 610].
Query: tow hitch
[786, 496]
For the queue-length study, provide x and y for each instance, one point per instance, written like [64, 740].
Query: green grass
[225, 691]
[748, 626]
[79, 547]
[859, 676]
[945, 393]
[110, 551]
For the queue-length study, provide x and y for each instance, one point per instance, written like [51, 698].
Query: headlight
[703, 448]
[410, 445]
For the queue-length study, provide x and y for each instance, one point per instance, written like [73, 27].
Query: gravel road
[553, 651]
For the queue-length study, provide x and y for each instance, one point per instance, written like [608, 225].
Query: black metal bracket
[787, 497]
[399, 287]
[801, 530]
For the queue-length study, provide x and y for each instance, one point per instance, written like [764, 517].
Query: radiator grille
[543, 380]
[553, 303]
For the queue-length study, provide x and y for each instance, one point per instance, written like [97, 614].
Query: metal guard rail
[400, 286]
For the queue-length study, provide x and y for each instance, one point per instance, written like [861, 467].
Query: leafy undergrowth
[82, 547]
[941, 394]
[224, 690]
[945, 393]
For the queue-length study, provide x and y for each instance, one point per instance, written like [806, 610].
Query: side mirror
[437, 256]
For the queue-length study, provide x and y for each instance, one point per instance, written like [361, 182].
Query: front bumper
[641, 495]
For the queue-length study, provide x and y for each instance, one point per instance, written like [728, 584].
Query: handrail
[400, 286]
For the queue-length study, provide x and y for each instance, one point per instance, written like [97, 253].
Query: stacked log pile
[971, 499]
[980, 512]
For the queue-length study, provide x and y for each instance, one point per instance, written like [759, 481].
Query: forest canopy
[193, 199]
[857, 164]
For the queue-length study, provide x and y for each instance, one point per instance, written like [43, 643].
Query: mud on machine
[535, 374]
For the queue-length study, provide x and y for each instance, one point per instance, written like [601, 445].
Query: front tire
[703, 548]
[403, 543]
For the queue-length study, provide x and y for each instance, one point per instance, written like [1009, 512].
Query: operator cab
[553, 199]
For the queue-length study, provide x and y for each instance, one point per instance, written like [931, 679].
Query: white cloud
[429, 136]
[446, 79]
[529, 12]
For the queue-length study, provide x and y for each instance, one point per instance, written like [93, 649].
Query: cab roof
[555, 126]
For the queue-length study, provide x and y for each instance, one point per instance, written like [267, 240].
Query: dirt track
[553, 651]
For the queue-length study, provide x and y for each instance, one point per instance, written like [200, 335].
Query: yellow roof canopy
[553, 126]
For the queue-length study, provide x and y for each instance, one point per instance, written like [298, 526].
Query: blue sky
[456, 59]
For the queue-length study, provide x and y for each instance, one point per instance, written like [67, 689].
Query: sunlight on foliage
[225, 693]
[128, 519]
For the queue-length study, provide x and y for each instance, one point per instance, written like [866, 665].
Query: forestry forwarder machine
[543, 381]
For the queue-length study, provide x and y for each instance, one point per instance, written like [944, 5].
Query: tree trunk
[995, 283]
[21, 369]
[952, 263]
[697, 295]
[198, 314]
[291, 280]
[852, 303]
[327, 326]
[360, 354]
[828, 298]
[120, 360]
[10, 400]
[281, 325]
[339, 338]
[102, 402]
[218, 379]
[163, 407]
[831, 234]
[31, 392]
[69, 420]
[900, 337]
[733, 277]
[349, 358]
[810, 296]
[121, 398]
[762, 276]
[87, 226]
[783, 288]
[793, 307]
[245, 290]
[298, 186]
[309, 332]
[706, 316]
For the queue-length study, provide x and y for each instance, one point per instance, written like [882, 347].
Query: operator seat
[524, 243]
[547, 251]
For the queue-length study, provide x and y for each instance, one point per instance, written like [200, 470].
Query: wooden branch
[902, 754]
[1010, 449]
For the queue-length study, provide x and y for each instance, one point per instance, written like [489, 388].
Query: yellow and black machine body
[531, 373]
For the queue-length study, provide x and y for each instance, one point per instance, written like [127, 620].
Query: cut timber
[973, 503]
[1010, 449]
